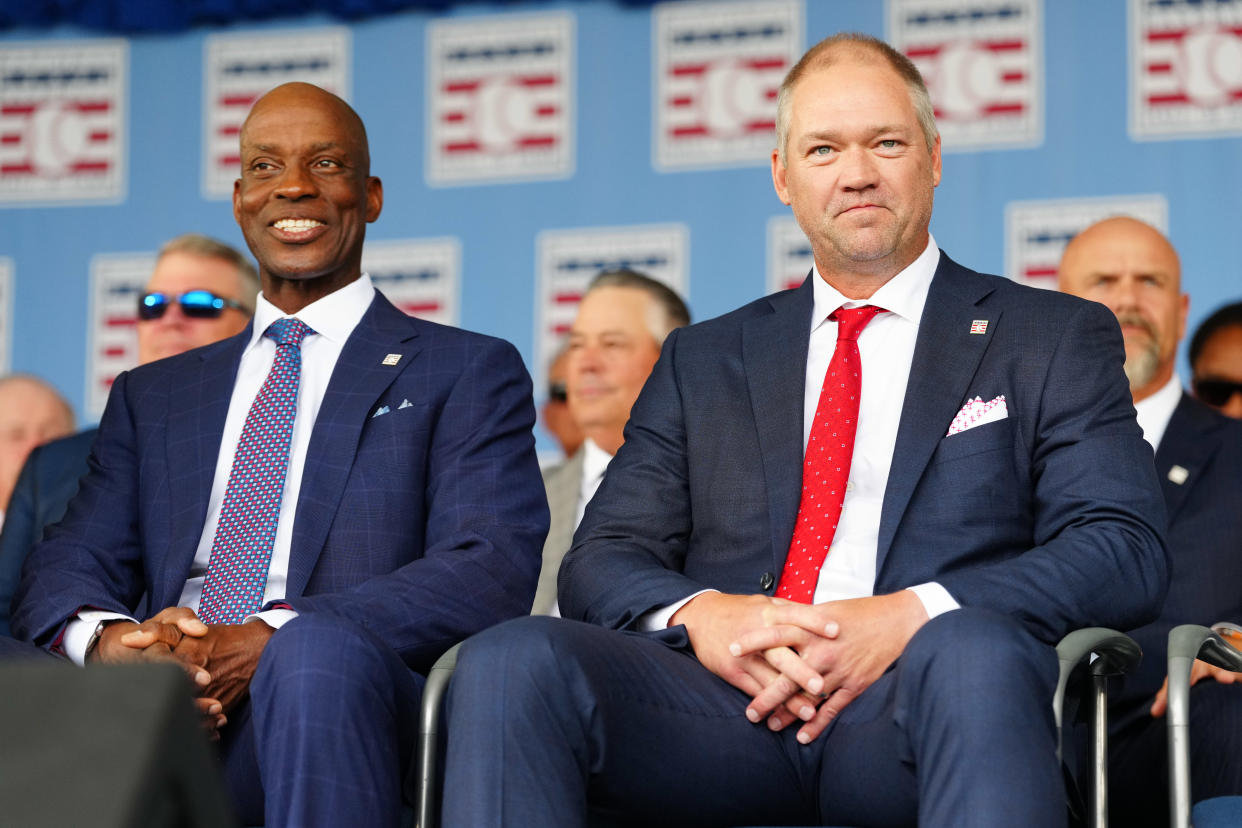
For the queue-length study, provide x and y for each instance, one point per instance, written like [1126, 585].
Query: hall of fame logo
[569, 259]
[718, 67]
[419, 276]
[62, 122]
[983, 64]
[117, 280]
[789, 254]
[500, 99]
[6, 314]
[1036, 232]
[1185, 68]
[239, 68]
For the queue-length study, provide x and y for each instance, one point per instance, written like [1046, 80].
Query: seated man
[1216, 360]
[31, 412]
[305, 515]
[622, 321]
[222, 285]
[902, 463]
[1130, 267]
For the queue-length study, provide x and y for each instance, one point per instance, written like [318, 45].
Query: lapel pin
[979, 326]
[383, 409]
[391, 359]
[1178, 474]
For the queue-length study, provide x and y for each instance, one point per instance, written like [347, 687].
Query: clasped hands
[799, 662]
[220, 659]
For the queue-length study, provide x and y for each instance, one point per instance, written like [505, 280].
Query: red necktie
[829, 451]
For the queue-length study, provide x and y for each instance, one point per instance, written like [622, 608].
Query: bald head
[288, 97]
[31, 413]
[1132, 268]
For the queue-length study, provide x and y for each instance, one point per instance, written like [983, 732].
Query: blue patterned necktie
[246, 531]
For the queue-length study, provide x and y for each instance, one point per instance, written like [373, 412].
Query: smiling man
[821, 581]
[307, 514]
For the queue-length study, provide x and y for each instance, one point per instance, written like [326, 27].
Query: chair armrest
[1117, 653]
[429, 736]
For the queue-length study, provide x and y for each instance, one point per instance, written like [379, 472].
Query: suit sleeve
[1097, 554]
[17, 538]
[486, 519]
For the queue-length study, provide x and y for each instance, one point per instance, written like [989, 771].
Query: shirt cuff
[658, 619]
[274, 618]
[936, 599]
[79, 630]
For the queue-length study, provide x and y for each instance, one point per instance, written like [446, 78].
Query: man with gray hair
[622, 322]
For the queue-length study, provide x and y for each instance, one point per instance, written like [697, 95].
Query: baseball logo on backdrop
[790, 256]
[1036, 232]
[569, 259]
[983, 64]
[6, 314]
[500, 100]
[420, 276]
[239, 68]
[62, 122]
[718, 67]
[1185, 68]
[117, 280]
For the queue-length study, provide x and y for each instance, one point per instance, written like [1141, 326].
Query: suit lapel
[197, 409]
[774, 352]
[358, 381]
[1189, 443]
[946, 356]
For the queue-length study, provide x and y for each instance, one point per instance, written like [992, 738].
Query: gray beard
[1141, 369]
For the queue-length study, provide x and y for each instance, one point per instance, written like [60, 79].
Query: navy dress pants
[555, 723]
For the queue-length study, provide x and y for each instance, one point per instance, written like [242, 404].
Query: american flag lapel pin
[391, 359]
[979, 326]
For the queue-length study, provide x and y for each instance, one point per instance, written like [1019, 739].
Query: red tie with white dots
[829, 452]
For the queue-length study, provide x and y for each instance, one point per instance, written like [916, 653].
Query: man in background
[200, 291]
[554, 414]
[31, 412]
[1216, 361]
[1134, 270]
[622, 322]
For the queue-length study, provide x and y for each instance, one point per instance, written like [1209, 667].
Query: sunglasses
[557, 392]
[1216, 392]
[196, 304]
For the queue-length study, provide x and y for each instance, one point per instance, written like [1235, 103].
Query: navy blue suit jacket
[47, 482]
[1052, 515]
[424, 523]
[1205, 541]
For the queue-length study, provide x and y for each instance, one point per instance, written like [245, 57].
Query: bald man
[1131, 267]
[31, 412]
[306, 515]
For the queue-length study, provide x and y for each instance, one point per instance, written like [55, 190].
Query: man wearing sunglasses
[1216, 360]
[1134, 270]
[200, 291]
[305, 515]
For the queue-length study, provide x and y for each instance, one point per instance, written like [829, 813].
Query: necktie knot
[288, 331]
[851, 321]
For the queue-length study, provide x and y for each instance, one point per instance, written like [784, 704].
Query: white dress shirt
[1155, 411]
[594, 463]
[886, 347]
[332, 318]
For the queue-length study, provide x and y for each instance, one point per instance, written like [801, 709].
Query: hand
[1198, 671]
[231, 653]
[715, 620]
[837, 649]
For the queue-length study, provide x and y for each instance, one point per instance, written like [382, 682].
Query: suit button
[765, 582]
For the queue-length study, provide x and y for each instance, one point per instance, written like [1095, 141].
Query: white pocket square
[976, 412]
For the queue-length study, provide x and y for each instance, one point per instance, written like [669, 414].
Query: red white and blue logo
[419, 276]
[790, 256]
[117, 280]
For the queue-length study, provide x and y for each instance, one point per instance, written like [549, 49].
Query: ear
[935, 158]
[237, 201]
[778, 177]
[375, 198]
[1182, 313]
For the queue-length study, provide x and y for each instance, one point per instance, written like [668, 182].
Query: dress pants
[556, 723]
[1138, 756]
[328, 732]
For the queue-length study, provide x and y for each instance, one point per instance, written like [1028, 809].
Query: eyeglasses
[1216, 392]
[196, 304]
[557, 392]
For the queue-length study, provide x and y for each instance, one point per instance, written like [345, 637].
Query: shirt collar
[594, 460]
[1155, 411]
[333, 316]
[904, 295]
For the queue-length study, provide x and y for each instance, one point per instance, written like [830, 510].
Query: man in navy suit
[1134, 270]
[219, 284]
[999, 494]
[411, 514]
